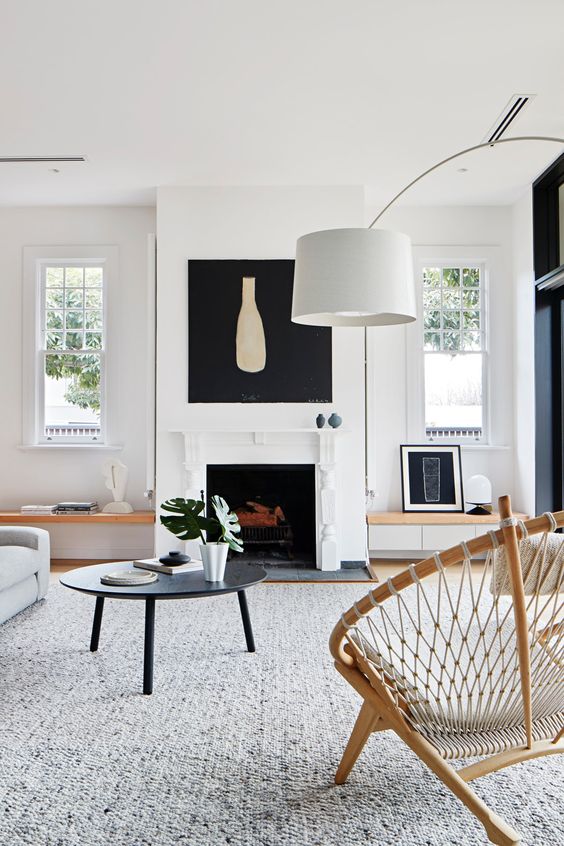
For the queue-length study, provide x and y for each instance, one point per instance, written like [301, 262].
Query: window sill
[468, 445]
[57, 446]
[491, 447]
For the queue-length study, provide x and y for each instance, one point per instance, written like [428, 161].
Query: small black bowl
[174, 558]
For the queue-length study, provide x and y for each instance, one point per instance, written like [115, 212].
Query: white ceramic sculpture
[115, 474]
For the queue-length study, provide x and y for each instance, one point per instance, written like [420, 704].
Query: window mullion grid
[83, 306]
[64, 332]
[442, 319]
[483, 316]
[43, 310]
[460, 320]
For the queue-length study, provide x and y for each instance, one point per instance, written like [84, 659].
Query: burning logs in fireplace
[256, 514]
[265, 526]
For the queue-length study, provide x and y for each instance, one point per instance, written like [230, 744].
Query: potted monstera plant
[186, 520]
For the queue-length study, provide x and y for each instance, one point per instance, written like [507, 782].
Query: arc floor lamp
[364, 277]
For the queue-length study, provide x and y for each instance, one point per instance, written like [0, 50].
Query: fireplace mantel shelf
[255, 429]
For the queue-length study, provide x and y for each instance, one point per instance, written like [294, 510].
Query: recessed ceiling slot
[40, 159]
[509, 114]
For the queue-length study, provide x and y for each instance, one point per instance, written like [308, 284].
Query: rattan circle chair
[465, 665]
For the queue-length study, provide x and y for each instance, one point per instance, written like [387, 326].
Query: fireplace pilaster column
[194, 467]
[328, 502]
[195, 480]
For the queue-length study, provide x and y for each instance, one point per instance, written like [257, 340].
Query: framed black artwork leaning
[431, 478]
[242, 344]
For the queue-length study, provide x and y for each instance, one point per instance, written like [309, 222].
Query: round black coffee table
[238, 577]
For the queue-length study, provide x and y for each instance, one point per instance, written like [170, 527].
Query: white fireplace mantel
[274, 446]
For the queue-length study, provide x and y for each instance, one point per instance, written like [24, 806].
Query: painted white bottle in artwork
[250, 341]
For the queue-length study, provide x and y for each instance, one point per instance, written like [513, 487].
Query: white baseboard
[120, 554]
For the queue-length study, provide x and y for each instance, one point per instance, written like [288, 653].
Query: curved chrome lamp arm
[456, 156]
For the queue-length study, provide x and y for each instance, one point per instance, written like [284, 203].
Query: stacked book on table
[155, 565]
[77, 507]
[38, 509]
[62, 508]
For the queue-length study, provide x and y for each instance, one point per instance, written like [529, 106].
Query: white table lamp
[478, 492]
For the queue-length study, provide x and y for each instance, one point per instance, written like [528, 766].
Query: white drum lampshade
[353, 277]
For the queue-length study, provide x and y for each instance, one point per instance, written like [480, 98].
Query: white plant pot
[214, 558]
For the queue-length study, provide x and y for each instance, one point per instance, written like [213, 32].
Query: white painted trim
[126, 553]
[32, 382]
[486, 447]
[56, 445]
[151, 360]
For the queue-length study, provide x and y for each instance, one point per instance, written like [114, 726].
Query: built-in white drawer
[442, 537]
[394, 537]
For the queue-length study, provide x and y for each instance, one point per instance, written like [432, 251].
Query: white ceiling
[275, 92]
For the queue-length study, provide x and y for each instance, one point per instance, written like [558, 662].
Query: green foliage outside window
[73, 321]
[451, 309]
[83, 371]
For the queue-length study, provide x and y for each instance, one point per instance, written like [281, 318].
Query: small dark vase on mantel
[320, 421]
[335, 421]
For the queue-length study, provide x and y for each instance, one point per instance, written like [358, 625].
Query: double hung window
[454, 350]
[71, 352]
[66, 292]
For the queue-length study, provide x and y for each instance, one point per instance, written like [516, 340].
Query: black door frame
[549, 341]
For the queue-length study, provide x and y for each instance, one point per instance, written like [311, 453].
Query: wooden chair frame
[380, 711]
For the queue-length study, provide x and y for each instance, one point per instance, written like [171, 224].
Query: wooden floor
[63, 565]
[380, 569]
[60, 566]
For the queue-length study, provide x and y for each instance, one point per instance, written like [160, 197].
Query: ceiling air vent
[40, 159]
[508, 115]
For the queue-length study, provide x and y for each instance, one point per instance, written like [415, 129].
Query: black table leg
[149, 645]
[98, 611]
[241, 596]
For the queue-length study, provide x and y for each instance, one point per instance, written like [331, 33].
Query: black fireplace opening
[275, 504]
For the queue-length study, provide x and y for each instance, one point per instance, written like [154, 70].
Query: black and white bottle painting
[242, 344]
[431, 478]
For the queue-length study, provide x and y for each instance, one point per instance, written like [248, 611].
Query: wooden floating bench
[11, 518]
[412, 534]
[432, 518]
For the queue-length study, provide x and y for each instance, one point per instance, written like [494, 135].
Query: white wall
[524, 351]
[259, 223]
[250, 223]
[42, 476]
[390, 358]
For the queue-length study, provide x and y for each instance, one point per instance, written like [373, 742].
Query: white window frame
[35, 262]
[486, 259]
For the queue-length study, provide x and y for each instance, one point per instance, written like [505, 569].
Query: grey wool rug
[231, 748]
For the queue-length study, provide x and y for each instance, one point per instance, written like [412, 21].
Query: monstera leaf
[186, 521]
[228, 523]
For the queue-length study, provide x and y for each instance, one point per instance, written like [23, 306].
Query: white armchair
[24, 568]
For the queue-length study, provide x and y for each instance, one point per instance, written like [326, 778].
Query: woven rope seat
[465, 663]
